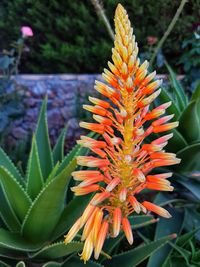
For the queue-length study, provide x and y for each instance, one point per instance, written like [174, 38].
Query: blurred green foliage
[69, 37]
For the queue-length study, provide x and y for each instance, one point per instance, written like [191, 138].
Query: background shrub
[69, 37]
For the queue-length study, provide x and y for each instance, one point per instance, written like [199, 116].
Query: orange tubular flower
[122, 157]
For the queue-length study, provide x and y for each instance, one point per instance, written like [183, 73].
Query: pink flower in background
[26, 31]
[151, 40]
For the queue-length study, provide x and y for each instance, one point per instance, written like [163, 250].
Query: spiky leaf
[178, 89]
[165, 227]
[7, 214]
[189, 123]
[43, 143]
[58, 151]
[76, 262]
[34, 173]
[47, 208]
[136, 256]
[189, 159]
[15, 241]
[58, 250]
[177, 142]
[6, 162]
[17, 197]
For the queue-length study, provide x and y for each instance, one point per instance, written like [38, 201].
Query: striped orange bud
[87, 213]
[90, 161]
[162, 120]
[97, 224]
[91, 180]
[87, 249]
[100, 239]
[151, 87]
[159, 186]
[113, 184]
[161, 175]
[162, 155]
[117, 217]
[82, 175]
[123, 194]
[73, 231]
[96, 110]
[80, 191]
[99, 102]
[100, 197]
[165, 127]
[95, 127]
[134, 203]
[139, 175]
[148, 100]
[103, 120]
[89, 225]
[162, 139]
[91, 143]
[127, 230]
[156, 209]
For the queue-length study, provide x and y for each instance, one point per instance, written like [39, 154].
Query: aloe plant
[33, 211]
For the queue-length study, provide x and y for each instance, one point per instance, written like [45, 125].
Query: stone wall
[66, 94]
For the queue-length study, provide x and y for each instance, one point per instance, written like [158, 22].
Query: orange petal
[87, 249]
[95, 127]
[82, 175]
[73, 231]
[127, 230]
[99, 102]
[165, 127]
[100, 197]
[80, 191]
[113, 184]
[156, 209]
[90, 161]
[134, 203]
[100, 239]
[117, 217]
[97, 224]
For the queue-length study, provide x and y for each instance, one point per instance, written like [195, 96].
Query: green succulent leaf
[15, 194]
[189, 123]
[135, 256]
[183, 239]
[76, 150]
[15, 241]
[189, 159]
[196, 93]
[52, 264]
[58, 151]
[76, 262]
[58, 250]
[43, 143]
[34, 173]
[21, 264]
[7, 214]
[192, 185]
[182, 99]
[165, 227]
[177, 142]
[52, 175]
[192, 220]
[47, 208]
[173, 109]
[70, 214]
[6, 162]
